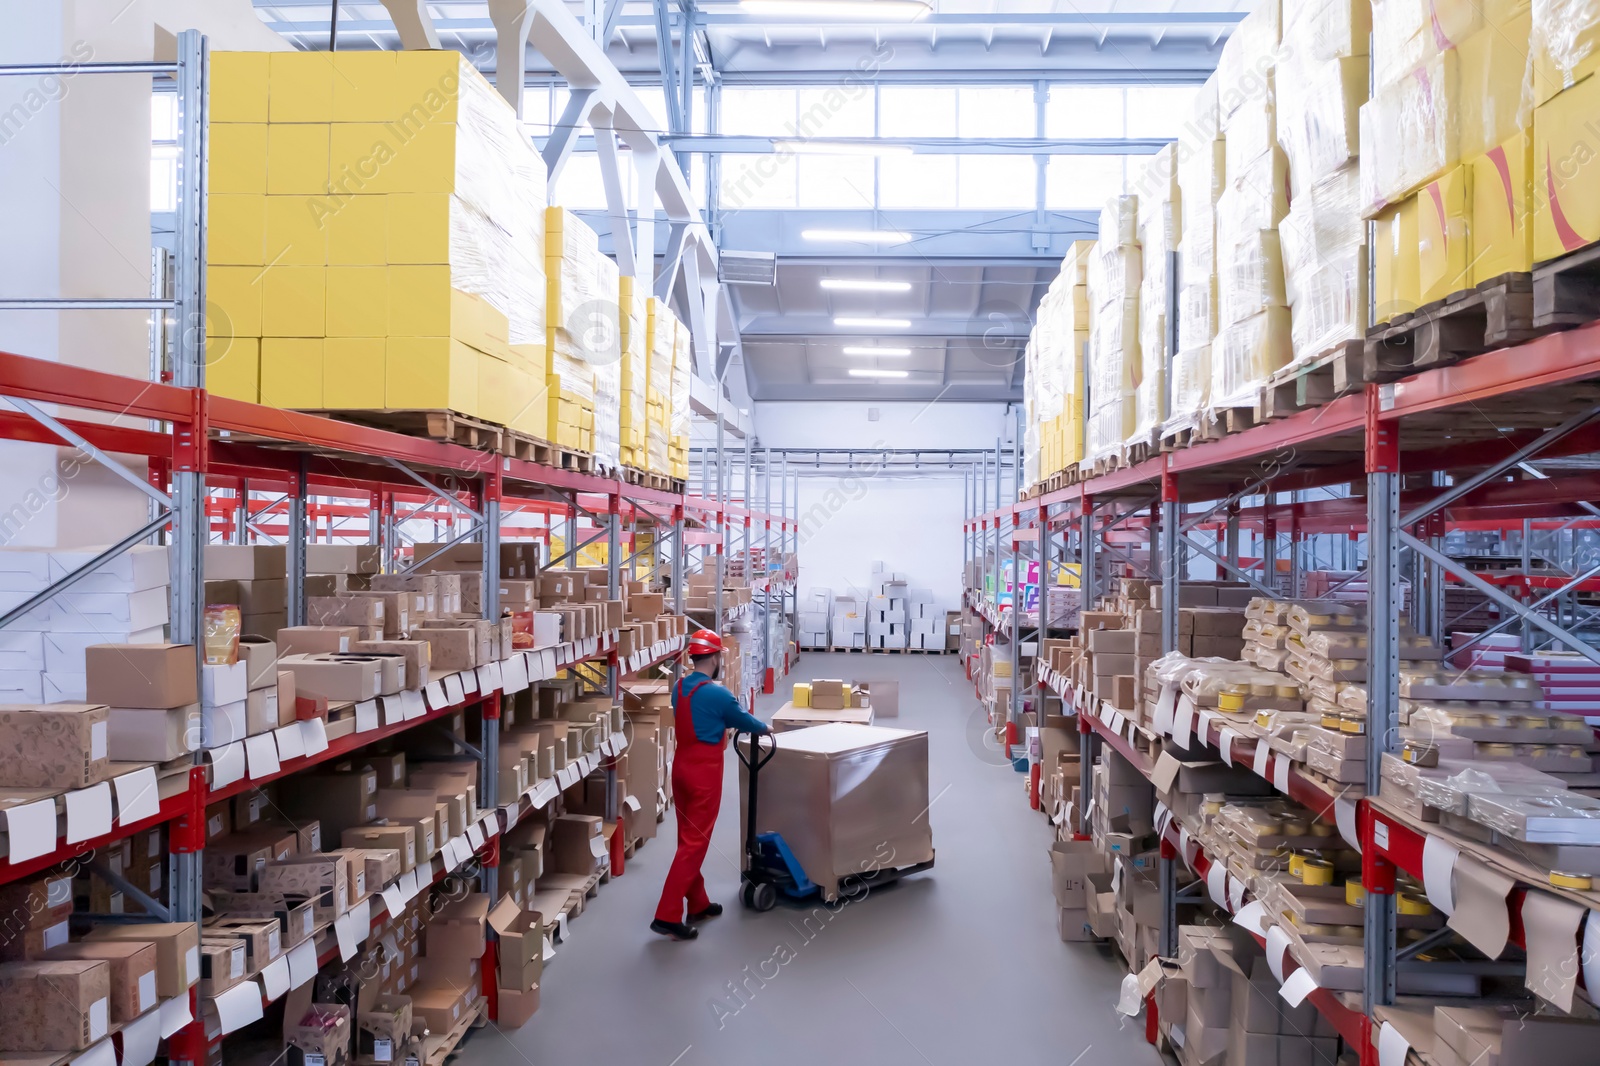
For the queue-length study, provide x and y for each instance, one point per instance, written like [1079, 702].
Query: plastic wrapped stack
[1201, 174]
[661, 340]
[1447, 159]
[1323, 238]
[367, 252]
[634, 378]
[1055, 359]
[678, 442]
[581, 315]
[1160, 223]
[1033, 420]
[1565, 98]
[1252, 337]
[1115, 269]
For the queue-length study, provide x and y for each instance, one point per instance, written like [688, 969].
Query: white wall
[912, 524]
[835, 424]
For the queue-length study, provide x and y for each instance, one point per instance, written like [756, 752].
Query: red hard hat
[704, 642]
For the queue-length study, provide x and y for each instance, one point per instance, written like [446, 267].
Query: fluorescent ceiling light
[860, 236]
[865, 285]
[857, 349]
[873, 323]
[880, 10]
[863, 147]
[869, 372]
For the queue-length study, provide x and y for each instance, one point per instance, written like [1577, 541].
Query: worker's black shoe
[676, 930]
[712, 910]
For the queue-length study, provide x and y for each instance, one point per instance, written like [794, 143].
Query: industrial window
[1077, 112]
[164, 151]
[1159, 110]
[1085, 182]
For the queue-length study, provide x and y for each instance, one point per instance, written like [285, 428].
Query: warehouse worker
[702, 713]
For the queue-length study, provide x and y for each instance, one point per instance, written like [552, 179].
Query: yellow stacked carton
[1055, 359]
[633, 409]
[661, 333]
[678, 442]
[370, 217]
[1202, 173]
[1114, 360]
[1565, 162]
[583, 335]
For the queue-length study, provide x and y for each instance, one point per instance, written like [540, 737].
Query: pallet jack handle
[759, 755]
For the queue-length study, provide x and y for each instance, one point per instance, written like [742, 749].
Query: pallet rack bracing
[1408, 462]
[198, 443]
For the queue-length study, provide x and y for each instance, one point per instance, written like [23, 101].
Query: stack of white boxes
[124, 601]
[849, 622]
[813, 618]
[926, 621]
[887, 614]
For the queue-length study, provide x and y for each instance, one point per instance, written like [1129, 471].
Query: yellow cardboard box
[428, 85]
[358, 230]
[233, 367]
[1444, 234]
[430, 374]
[362, 158]
[1566, 46]
[238, 87]
[233, 301]
[365, 87]
[419, 301]
[294, 303]
[294, 235]
[1395, 261]
[358, 301]
[1566, 185]
[237, 160]
[419, 227]
[236, 229]
[300, 87]
[353, 373]
[297, 159]
[1502, 209]
[291, 372]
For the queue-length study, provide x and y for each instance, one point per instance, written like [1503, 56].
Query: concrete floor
[961, 964]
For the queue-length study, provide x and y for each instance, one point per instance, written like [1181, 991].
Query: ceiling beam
[714, 144]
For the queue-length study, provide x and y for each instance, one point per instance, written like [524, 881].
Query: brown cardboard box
[577, 844]
[222, 964]
[401, 840]
[439, 1007]
[235, 862]
[260, 657]
[136, 734]
[517, 1008]
[415, 652]
[177, 951]
[132, 974]
[382, 1028]
[521, 949]
[294, 917]
[313, 640]
[262, 938]
[414, 807]
[245, 562]
[343, 559]
[353, 678]
[337, 800]
[61, 1005]
[320, 1034]
[450, 649]
[53, 745]
[262, 596]
[141, 675]
[829, 694]
[321, 879]
[457, 932]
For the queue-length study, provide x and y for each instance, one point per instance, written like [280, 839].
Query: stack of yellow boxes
[1055, 359]
[661, 333]
[1323, 238]
[1201, 177]
[1114, 360]
[633, 411]
[1566, 98]
[581, 313]
[1253, 336]
[1160, 223]
[370, 216]
[1447, 148]
[678, 442]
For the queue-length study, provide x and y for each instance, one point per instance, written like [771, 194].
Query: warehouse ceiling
[965, 282]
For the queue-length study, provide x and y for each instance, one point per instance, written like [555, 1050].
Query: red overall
[697, 794]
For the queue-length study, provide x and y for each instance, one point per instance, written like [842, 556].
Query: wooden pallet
[441, 1048]
[1497, 313]
[1144, 447]
[646, 479]
[1309, 384]
[443, 425]
[1566, 291]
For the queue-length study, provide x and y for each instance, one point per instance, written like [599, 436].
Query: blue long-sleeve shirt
[714, 710]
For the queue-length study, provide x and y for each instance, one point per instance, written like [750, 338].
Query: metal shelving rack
[206, 443]
[1480, 423]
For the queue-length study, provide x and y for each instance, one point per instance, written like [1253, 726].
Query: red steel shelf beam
[64, 854]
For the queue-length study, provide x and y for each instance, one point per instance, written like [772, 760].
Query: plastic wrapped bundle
[1251, 278]
[581, 324]
[1319, 119]
[1245, 354]
[1250, 133]
[661, 337]
[1107, 428]
[1150, 386]
[1325, 265]
[1114, 350]
[1159, 211]
[1406, 34]
[1323, 30]
[1114, 274]
[1255, 199]
[634, 372]
[678, 443]
[1191, 386]
[1245, 67]
[1565, 46]
[1119, 222]
[1031, 428]
[1197, 312]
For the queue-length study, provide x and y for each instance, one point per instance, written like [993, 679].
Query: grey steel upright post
[489, 605]
[766, 561]
[722, 522]
[241, 514]
[1086, 593]
[297, 545]
[189, 371]
[1014, 712]
[613, 668]
[1171, 550]
[1383, 666]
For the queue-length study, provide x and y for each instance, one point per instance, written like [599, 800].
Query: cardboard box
[245, 562]
[60, 1005]
[144, 735]
[1566, 213]
[141, 675]
[343, 559]
[132, 974]
[262, 938]
[177, 951]
[347, 677]
[321, 879]
[382, 1029]
[260, 657]
[53, 746]
[315, 640]
[222, 964]
[521, 949]
[450, 649]
[400, 839]
[457, 933]
[829, 694]
[440, 1007]
[416, 654]
[320, 1037]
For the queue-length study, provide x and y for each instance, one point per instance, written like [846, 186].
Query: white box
[223, 724]
[65, 651]
[99, 611]
[141, 567]
[21, 649]
[546, 629]
[899, 578]
[24, 570]
[65, 688]
[21, 686]
[894, 640]
[221, 685]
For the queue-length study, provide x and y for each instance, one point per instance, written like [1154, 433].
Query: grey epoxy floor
[961, 964]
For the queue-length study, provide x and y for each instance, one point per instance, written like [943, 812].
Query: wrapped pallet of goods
[1160, 222]
[1201, 170]
[1323, 238]
[1113, 361]
[1061, 334]
[583, 335]
[370, 220]
[1032, 432]
[1450, 103]
[661, 341]
[1565, 98]
[678, 442]
[635, 376]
